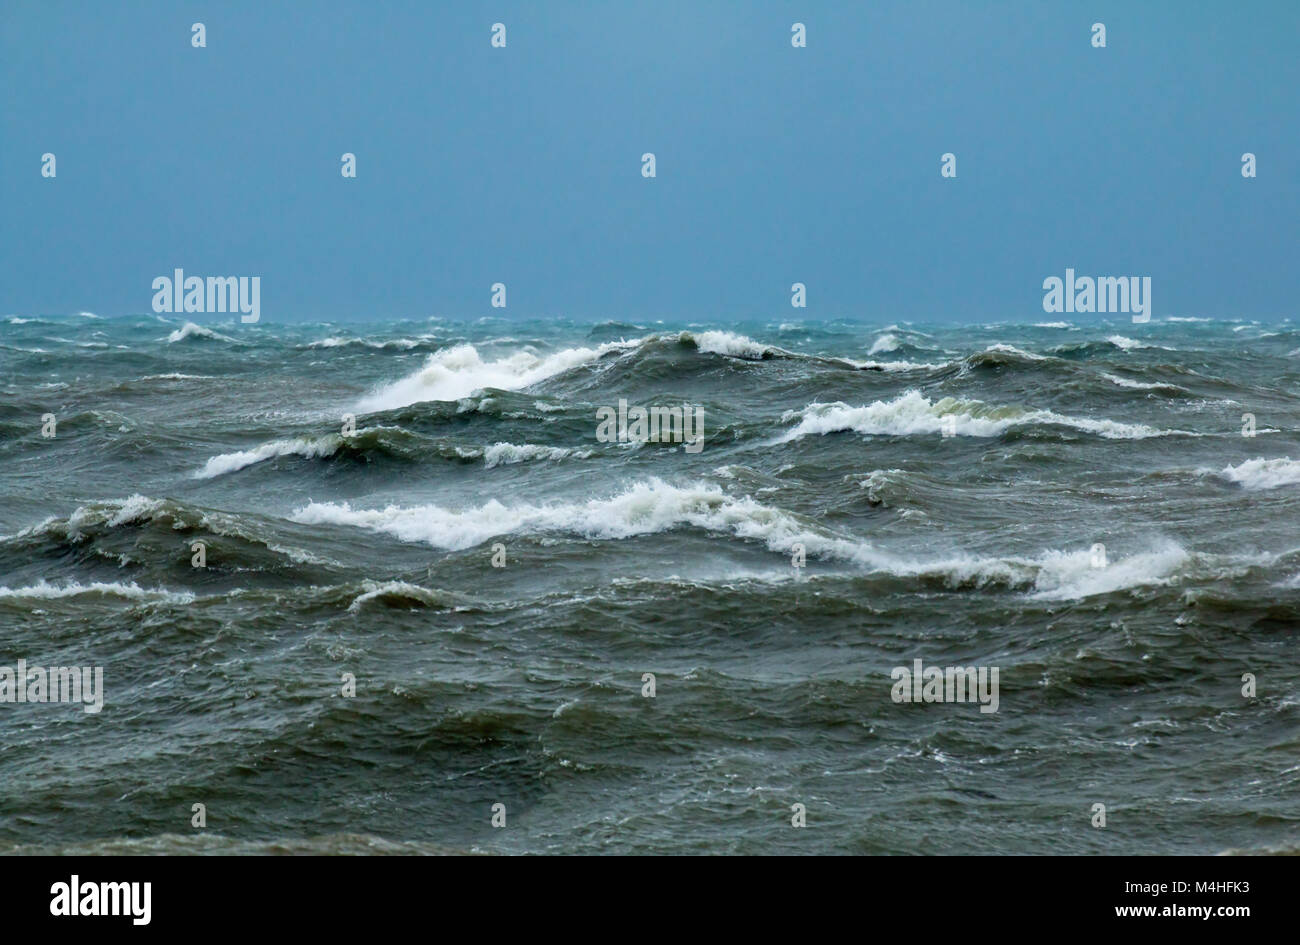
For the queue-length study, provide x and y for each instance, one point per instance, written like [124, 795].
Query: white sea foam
[116, 513]
[1052, 325]
[1132, 344]
[1138, 385]
[374, 590]
[877, 480]
[729, 344]
[400, 344]
[132, 509]
[307, 447]
[81, 344]
[191, 330]
[913, 413]
[893, 366]
[1069, 575]
[654, 506]
[43, 590]
[1073, 575]
[320, 447]
[884, 344]
[500, 454]
[1255, 474]
[455, 373]
[644, 508]
[1018, 352]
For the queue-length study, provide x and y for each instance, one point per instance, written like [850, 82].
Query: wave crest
[457, 372]
[191, 330]
[1260, 473]
[913, 413]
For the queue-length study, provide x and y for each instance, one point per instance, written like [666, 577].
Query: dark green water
[370, 553]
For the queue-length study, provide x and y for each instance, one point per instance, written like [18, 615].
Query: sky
[774, 164]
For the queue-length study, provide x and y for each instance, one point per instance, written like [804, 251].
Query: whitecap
[1260, 473]
[191, 330]
[912, 413]
[455, 373]
[307, 447]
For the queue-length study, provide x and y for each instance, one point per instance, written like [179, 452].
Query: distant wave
[1017, 352]
[454, 373]
[1132, 344]
[400, 344]
[732, 345]
[913, 413]
[191, 330]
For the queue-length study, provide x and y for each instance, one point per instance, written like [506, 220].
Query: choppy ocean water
[949, 487]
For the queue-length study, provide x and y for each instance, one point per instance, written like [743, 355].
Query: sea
[384, 587]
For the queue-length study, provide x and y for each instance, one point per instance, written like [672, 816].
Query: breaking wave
[913, 413]
[730, 344]
[653, 506]
[191, 330]
[43, 590]
[1262, 473]
[457, 372]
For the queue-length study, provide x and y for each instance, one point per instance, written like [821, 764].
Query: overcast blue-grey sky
[775, 164]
